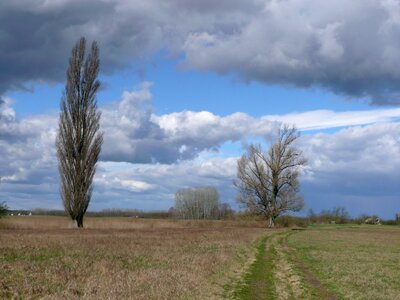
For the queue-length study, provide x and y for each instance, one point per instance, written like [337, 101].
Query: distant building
[373, 221]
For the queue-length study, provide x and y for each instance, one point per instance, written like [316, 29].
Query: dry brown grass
[122, 258]
[50, 222]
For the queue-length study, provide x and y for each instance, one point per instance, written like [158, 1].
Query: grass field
[353, 262]
[41, 257]
[326, 262]
[277, 273]
[118, 258]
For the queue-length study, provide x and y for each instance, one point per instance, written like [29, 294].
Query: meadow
[353, 262]
[43, 257]
[326, 262]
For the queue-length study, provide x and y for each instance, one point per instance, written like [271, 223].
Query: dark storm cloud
[36, 36]
[348, 47]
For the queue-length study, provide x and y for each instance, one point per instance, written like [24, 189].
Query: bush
[389, 222]
[3, 209]
[291, 221]
[337, 215]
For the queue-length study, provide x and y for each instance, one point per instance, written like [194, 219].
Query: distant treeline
[338, 215]
[132, 213]
[222, 213]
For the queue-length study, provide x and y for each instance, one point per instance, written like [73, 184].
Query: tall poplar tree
[79, 139]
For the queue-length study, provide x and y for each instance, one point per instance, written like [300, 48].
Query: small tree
[312, 216]
[341, 215]
[79, 138]
[224, 211]
[268, 181]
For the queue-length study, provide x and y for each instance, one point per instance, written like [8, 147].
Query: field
[354, 262]
[41, 257]
[122, 258]
[326, 262]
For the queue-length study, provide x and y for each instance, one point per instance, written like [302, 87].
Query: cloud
[115, 182]
[154, 185]
[348, 48]
[7, 114]
[36, 35]
[325, 119]
[26, 146]
[356, 167]
[133, 133]
[147, 157]
[27, 158]
[372, 149]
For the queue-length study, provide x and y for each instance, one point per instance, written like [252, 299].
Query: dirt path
[278, 273]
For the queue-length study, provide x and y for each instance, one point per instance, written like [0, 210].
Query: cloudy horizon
[187, 85]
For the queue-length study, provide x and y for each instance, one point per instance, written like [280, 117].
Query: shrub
[3, 209]
[291, 221]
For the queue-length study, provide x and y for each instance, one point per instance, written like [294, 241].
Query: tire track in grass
[258, 281]
[318, 290]
[278, 273]
[289, 284]
[271, 275]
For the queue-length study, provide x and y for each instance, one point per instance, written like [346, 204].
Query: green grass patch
[258, 282]
[29, 255]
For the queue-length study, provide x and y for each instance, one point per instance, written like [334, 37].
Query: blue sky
[175, 89]
[186, 86]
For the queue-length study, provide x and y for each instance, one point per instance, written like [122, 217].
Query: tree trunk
[271, 222]
[79, 221]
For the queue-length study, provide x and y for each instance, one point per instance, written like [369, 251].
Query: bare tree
[268, 181]
[79, 138]
[197, 203]
[224, 211]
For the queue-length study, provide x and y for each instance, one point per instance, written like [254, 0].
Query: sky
[188, 85]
